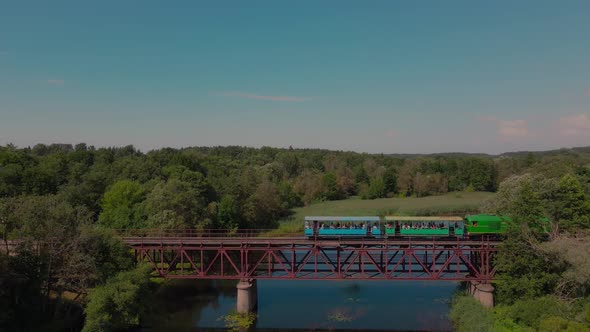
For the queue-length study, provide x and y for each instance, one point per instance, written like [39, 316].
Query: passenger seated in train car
[332, 226]
[307, 225]
[322, 226]
[389, 226]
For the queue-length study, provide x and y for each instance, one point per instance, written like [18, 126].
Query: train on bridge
[470, 226]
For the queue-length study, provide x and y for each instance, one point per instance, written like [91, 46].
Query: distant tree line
[242, 187]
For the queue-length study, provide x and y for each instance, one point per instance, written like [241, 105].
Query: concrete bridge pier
[483, 292]
[247, 296]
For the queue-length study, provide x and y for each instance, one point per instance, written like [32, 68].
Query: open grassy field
[458, 202]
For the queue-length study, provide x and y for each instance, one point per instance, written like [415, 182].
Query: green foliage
[106, 252]
[478, 172]
[288, 197]
[360, 175]
[529, 197]
[523, 271]
[340, 316]
[390, 180]
[330, 187]
[468, 315]
[235, 321]
[375, 190]
[263, 208]
[52, 195]
[573, 253]
[568, 205]
[556, 324]
[115, 183]
[61, 252]
[121, 205]
[531, 312]
[176, 204]
[539, 314]
[530, 268]
[228, 213]
[120, 302]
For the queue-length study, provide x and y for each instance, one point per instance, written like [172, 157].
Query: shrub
[468, 315]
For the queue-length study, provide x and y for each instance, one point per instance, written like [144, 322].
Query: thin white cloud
[513, 128]
[260, 97]
[392, 133]
[56, 82]
[576, 125]
[488, 118]
[508, 129]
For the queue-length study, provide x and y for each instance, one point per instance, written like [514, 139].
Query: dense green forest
[60, 204]
[543, 280]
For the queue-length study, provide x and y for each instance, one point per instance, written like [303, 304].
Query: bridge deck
[297, 241]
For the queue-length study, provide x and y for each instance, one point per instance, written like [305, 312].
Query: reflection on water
[308, 305]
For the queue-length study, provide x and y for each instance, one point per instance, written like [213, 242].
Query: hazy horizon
[284, 147]
[378, 78]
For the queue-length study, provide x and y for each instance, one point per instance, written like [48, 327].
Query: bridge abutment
[483, 292]
[247, 299]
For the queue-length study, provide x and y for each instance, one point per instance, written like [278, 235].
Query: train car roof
[342, 218]
[486, 217]
[415, 218]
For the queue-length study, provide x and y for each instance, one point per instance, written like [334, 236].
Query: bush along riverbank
[543, 279]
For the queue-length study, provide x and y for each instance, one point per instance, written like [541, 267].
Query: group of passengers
[344, 226]
[339, 226]
[430, 225]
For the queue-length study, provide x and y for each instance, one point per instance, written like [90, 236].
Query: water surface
[309, 305]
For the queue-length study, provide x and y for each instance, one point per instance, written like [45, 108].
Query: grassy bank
[458, 202]
[545, 314]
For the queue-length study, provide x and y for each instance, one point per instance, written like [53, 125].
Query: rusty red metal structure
[196, 255]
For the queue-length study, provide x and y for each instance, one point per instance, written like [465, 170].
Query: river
[189, 305]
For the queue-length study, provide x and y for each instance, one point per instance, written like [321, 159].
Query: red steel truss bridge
[191, 254]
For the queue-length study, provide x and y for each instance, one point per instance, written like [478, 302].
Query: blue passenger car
[342, 226]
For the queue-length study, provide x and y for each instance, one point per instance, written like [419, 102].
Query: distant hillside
[562, 151]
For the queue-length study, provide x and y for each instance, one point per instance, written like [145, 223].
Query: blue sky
[370, 76]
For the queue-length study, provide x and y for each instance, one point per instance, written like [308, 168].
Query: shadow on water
[190, 305]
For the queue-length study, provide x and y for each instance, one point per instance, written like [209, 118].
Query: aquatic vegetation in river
[344, 315]
[340, 317]
[235, 321]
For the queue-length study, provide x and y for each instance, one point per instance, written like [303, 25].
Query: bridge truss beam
[256, 258]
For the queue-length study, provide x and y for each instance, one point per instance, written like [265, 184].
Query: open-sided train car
[342, 226]
[423, 226]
